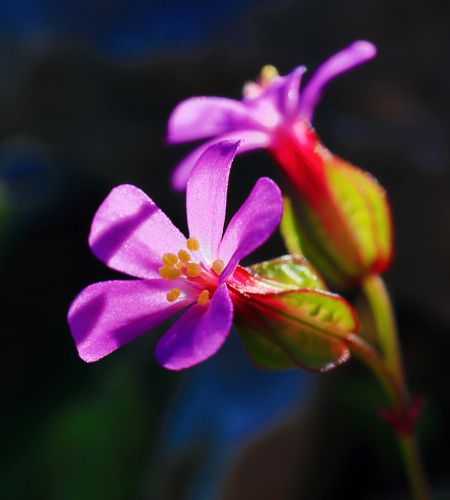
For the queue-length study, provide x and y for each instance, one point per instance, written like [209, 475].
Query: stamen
[169, 259]
[173, 295]
[218, 266]
[184, 256]
[193, 244]
[169, 273]
[203, 298]
[268, 73]
[193, 269]
[251, 90]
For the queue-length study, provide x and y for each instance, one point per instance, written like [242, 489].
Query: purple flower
[131, 234]
[269, 108]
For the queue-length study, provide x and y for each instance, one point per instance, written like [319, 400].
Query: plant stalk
[389, 370]
[400, 405]
[414, 468]
[384, 318]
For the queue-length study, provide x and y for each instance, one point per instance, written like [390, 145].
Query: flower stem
[370, 357]
[389, 370]
[383, 314]
[414, 468]
[400, 405]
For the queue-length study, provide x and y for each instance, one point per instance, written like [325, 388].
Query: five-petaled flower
[132, 235]
[348, 219]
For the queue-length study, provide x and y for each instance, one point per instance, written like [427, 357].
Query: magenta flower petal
[250, 139]
[202, 117]
[278, 102]
[107, 315]
[130, 233]
[292, 90]
[197, 334]
[353, 55]
[206, 196]
[252, 224]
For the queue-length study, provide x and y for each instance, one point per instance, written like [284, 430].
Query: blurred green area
[89, 443]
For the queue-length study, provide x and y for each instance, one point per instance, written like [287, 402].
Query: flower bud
[340, 212]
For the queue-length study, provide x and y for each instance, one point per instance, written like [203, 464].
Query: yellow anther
[175, 273]
[193, 269]
[193, 244]
[169, 273]
[268, 73]
[184, 256]
[179, 265]
[218, 266]
[173, 295]
[169, 259]
[164, 271]
[203, 298]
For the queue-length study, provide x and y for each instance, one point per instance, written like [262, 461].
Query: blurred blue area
[224, 403]
[30, 188]
[119, 28]
[27, 174]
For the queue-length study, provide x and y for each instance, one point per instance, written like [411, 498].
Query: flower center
[183, 265]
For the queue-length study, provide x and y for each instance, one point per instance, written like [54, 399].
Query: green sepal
[263, 351]
[290, 271]
[289, 230]
[364, 203]
[350, 235]
[284, 325]
[315, 243]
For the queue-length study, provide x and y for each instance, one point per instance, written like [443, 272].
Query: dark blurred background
[86, 88]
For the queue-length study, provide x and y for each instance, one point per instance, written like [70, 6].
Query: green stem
[414, 468]
[400, 404]
[370, 357]
[383, 314]
[390, 372]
